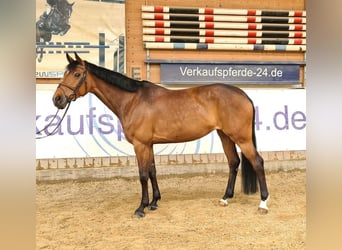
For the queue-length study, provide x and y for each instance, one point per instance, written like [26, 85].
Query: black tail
[249, 180]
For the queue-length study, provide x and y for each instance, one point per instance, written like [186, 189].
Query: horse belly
[184, 116]
[181, 130]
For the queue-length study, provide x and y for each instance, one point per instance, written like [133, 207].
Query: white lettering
[237, 71]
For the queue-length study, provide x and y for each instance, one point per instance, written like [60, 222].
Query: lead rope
[48, 125]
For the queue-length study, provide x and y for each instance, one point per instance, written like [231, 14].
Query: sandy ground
[99, 215]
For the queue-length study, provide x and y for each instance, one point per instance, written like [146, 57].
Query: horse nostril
[58, 99]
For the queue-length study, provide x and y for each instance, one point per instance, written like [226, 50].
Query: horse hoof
[139, 214]
[262, 210]
[223, 203]
[153, 207]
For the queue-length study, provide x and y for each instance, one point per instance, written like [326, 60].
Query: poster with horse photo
[94, 29]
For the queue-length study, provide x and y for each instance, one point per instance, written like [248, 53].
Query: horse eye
[77, 74]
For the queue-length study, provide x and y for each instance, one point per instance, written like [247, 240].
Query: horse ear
[70, 60]
[78, 59]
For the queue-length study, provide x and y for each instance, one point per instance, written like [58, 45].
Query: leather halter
[75, 89]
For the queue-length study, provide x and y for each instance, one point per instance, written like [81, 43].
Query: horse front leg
[156, 193]
[139, 212]
[144, 156]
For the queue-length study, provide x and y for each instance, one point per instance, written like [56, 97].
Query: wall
[90, 168]
[136, 54]
[57, 169]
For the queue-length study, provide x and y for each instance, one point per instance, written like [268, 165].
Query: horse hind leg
[233, 162]
[253, 157]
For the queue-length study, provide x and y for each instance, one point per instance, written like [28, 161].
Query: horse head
[73, 84]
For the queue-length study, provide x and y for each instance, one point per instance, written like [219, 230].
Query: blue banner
[195, 73]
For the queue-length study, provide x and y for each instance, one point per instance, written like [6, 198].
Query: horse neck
[113, 97]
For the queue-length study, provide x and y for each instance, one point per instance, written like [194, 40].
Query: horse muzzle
[60, 101]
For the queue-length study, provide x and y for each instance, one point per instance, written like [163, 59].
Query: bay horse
[151, 114]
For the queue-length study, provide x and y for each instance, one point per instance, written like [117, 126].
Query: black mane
[111, 77]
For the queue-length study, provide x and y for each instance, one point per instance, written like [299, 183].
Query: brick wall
[126, 166]
[136, 54]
